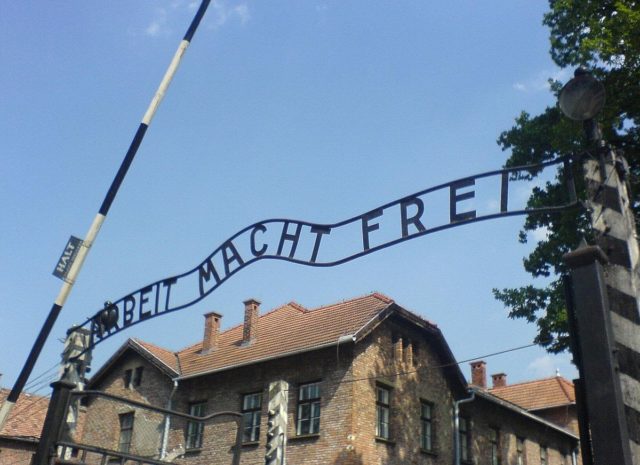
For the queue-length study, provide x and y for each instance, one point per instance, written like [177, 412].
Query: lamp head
[583, 97]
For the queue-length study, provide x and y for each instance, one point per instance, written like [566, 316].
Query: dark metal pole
[581, 400]
[605, 408]
[12, 398]
[54, 422]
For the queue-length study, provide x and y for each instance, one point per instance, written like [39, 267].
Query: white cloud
[223, 13]
[550, 365]
[158, 23]
[540, 234]
[540, 82]
[220, 12]
[542, 367]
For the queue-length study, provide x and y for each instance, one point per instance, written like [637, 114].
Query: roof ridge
[377, 295]
[550, 378]
[297, 306]
[142, 344]
[561, 380]
[155, 346]
[29, 394]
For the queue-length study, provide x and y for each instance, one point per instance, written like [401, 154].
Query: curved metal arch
[99, 333]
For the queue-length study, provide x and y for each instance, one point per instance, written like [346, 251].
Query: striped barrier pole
[76, 264]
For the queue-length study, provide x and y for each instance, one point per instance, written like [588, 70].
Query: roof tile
[538, 394]
[285, 330]
[163, 355]
[27, 417]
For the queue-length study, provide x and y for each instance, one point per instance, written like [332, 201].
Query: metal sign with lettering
[328, 245]
[66, 259]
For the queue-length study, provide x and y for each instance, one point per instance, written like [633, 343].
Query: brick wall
[565, 416]
[223, 392]
[101, 422]
[485, 415]
[15, 452]
[395, 355]
[377, 359]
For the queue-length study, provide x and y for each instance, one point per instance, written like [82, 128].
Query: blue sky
[316, 111]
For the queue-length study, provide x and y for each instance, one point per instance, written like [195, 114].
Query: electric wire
[25, 407]
[41, 375]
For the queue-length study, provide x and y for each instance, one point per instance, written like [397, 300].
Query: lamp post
[603, 307]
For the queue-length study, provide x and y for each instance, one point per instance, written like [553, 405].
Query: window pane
[426, 438]
[303, 426]
[251, 426]
[309, 391]
[137, 376]
[195, 429]
[252, 401]
[308, 415]
[382, 423]
[383, 395]
[126, 432]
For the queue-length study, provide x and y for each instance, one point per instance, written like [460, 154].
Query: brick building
[551, 398]
[370, 383]
[20, 435]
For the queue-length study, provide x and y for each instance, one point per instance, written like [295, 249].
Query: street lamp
[581, 99]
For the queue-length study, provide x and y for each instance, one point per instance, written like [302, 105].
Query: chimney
[499, 380]
[479, 374]
[211, 332]
[251, 314]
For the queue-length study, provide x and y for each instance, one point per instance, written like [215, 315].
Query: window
[382, 412]
[494, 441]
[137, 376]
[195, 429]
[309, 409]
[543, 455]
[251, 406]
[127, 378]
[126, 432]
[426, 437]
[519, 451]
[464, 433]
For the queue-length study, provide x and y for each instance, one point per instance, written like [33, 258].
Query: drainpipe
[167, 422]
[456, 425]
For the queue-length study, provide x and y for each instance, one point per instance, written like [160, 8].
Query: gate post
[54, 422]
[597, 357]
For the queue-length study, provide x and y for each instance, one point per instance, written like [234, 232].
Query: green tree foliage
[604, 37]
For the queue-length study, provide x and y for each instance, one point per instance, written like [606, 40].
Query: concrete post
[614, 224]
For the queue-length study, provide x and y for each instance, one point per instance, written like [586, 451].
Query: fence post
[54, 422]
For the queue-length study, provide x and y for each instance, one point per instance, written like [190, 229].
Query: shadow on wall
[348, 458]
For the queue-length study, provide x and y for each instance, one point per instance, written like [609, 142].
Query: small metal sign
[66, 259]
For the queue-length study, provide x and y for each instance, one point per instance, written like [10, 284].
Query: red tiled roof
[538, 394]
[286, 330]
[27, 417]
[165, 356]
